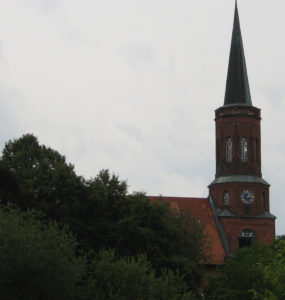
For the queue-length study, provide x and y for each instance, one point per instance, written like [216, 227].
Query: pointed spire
[237, 87]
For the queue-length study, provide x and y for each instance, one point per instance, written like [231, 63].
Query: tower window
[229, 150]
[254, 151]
[243, 149]
[257, 150]
[263, 200]
[226, 198]
[246, 238]
[217, 151]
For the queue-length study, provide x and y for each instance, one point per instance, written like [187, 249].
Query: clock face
[247, 197]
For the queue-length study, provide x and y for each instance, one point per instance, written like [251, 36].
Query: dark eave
[239, 178]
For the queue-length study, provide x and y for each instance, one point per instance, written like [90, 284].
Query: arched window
[218, 151]
[254, 152]
[226, 198]
[243, 149]
[246, 238]
[229, 150]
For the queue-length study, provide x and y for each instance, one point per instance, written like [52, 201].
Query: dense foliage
[256, 272]
[132, 225]
[37, 260]
[156, 252]
[9, 190]
[273, 274]
[45, 181]
[101, 214]
[131, 278]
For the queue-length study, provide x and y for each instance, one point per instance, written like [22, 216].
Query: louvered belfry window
[229, 150]
[243, 149]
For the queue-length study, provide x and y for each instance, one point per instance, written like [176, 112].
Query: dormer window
[226, 198]
[243, 149]
[229, 150]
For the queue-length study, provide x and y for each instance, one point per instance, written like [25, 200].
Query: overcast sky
[132, 85]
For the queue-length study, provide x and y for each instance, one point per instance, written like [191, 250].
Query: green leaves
[37, 260]
[46, 182]
[273, 274]
[103, 216]
[132, 278]
[256, 272]
[131, 225]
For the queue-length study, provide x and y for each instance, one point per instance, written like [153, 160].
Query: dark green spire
[237, 89]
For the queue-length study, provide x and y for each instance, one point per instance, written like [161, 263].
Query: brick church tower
[237, 209]
[239, 195]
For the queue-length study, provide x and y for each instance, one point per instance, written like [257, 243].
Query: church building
[237, 209]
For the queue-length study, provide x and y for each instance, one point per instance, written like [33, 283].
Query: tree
[132, 278]
[37, 260]
[273, 274]
[241, 274]
[170, 239]
[95, 220]
[45, 181]
[9, 190]
[102, 214]
[131, 225]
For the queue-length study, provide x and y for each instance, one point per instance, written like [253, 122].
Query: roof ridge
[177, 197]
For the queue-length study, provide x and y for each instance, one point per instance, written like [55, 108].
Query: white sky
[132, 85]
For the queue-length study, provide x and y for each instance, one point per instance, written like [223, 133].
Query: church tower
[239, 195]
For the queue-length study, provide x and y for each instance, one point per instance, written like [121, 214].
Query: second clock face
[247, 197]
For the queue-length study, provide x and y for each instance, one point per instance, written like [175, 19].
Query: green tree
[170, 239]
[241, 274]
[128, 278]
[102, 214]
[46, 182]
[96, 219]
[37, 260]
[273, 274]
[132, 225]
[9, 190]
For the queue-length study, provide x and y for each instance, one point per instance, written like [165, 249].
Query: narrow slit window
[244, 149]
[229, 150]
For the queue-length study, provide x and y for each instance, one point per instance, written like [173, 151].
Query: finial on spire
[237, 87]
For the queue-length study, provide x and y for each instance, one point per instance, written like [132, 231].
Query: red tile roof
[201, 209]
